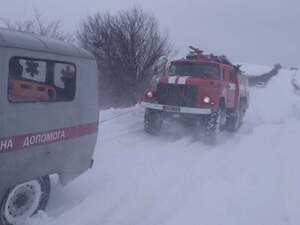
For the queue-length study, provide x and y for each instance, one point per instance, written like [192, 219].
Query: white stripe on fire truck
[172, 80]
[182, 80]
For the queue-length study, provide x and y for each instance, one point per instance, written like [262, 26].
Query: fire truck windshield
[208, 71]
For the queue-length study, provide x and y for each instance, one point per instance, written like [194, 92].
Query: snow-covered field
[251, 178]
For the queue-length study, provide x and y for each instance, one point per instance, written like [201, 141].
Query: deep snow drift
[250, 178]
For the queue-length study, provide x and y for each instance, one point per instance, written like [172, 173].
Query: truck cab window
[205, 71]
[232, 76]
[222, 74]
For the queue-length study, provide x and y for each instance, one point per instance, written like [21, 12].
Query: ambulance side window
[36, 80]
[65, 81]
[27, 69]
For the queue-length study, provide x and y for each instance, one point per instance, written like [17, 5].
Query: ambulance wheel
[153, 122]
[24, 200]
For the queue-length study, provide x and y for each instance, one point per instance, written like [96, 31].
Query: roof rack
[197, 54]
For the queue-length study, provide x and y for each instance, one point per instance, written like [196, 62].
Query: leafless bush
[127, 46]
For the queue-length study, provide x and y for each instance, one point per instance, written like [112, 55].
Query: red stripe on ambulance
[34, 139]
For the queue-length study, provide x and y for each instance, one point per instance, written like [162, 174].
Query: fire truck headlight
[206, 100]
[149, 94]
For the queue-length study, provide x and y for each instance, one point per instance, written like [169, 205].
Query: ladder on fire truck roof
[197, 54]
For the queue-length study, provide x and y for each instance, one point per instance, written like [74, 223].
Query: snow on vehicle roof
[17, 39]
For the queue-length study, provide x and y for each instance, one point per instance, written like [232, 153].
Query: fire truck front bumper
[177, 109]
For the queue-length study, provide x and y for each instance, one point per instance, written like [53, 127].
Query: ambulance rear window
[37, 80]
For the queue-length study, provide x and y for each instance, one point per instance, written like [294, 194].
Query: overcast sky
[251, 31]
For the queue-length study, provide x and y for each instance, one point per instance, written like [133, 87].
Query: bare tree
[127, 46]
[37, 25]
[263, 79]
[295, 81]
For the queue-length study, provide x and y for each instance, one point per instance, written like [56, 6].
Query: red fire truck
[207, 93]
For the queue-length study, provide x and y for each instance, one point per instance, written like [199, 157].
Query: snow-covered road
[251, 178]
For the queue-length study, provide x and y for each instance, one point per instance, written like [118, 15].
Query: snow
[251, 177]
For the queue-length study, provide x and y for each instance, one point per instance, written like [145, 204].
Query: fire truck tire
[153, 122]
[234, 120]
[213, 126]
[24, 200]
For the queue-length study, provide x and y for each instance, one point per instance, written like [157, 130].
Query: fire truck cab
[205, 92]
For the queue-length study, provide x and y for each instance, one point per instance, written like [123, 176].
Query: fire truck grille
[177, 95]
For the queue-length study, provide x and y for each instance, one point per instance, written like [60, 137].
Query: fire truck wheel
[213, 126]
[234, 120]
[24, 200]
[153, 122]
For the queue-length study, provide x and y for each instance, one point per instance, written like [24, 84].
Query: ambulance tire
[24, 200]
